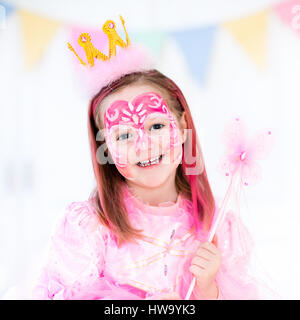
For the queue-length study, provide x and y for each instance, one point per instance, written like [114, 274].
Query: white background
[45, 161]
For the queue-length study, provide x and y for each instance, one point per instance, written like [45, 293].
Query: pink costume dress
[84, 261]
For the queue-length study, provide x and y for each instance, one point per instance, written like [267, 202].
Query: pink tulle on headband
[127, 60]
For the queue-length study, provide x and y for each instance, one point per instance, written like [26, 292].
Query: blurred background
[230, 58]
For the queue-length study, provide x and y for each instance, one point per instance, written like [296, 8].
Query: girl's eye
[157, 126]
[127, 135]
[123, 136]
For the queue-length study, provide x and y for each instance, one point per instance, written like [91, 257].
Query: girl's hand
[204, 266]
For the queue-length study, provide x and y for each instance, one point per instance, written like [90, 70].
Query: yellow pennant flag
[37, 32]
[250, 33]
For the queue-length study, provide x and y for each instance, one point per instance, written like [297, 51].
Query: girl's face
[143, 136]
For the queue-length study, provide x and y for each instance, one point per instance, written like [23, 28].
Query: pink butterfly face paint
[144, 125]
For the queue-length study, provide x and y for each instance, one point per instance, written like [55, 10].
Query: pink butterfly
[242, 153]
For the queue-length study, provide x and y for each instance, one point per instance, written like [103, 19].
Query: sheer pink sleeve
[75, 259]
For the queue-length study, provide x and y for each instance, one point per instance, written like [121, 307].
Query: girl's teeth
[149, 162]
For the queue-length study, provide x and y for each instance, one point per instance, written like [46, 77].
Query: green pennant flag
[154, 40]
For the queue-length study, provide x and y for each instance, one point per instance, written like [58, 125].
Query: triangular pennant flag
[250, 33]
[196, 45]
[37, 32]
[154, 40]
[289, 13]
[5, 11]
[7, 8]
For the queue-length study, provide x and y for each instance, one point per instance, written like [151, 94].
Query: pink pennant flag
[289, 13]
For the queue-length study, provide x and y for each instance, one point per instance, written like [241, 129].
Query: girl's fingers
[209, 247]
[197, 271]
[202, 252]
[201, 262]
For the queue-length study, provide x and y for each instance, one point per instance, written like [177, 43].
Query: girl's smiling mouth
[150, 163]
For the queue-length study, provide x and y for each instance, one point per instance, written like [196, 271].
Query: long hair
[191, 178]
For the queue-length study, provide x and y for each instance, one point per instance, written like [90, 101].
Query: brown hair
[109, 202]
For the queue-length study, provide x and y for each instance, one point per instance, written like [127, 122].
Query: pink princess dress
[84, 261]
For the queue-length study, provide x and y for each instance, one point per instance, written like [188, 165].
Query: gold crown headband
[91, 52]
[98, 74]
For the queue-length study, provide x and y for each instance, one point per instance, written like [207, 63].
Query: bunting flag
[154, 40]
[37, 32]
[5, 11]
[250, 32]
[6, 8]
[196, 45]
[289, 13]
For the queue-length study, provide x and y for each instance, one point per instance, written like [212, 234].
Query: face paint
[129, 125]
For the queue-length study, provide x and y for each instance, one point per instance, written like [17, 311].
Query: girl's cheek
[175, 154]
[174, 135]
[120, 160]
[122, 163]
[178, 155]
[166, 142]
[126, 171]
[118, 154]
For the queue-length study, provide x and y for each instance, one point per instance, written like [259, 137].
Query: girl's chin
[150, 178]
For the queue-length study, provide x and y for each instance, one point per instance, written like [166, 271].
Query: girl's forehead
[129, 94]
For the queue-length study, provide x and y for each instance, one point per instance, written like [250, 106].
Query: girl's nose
[142, 142]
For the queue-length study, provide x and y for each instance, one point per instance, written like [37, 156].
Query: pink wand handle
[213, 230]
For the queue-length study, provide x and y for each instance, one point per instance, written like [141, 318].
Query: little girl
[142, 234]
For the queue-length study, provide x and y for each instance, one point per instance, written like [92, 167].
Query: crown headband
[101, 69]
